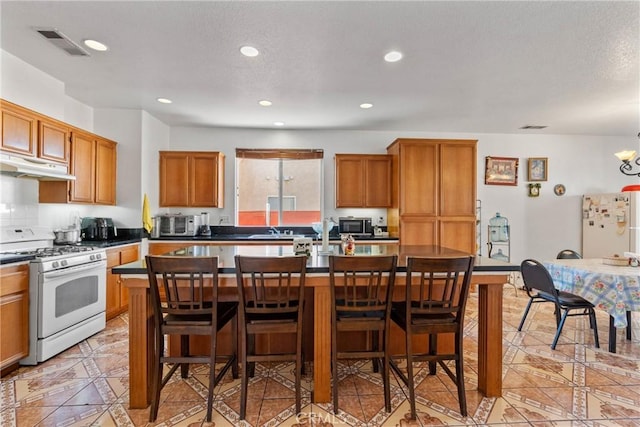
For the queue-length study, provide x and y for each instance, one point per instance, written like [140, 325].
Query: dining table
[488, 277]
[614, 289]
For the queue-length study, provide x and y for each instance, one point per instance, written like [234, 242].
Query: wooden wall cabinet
[94, 164]
[14, 315]
[117, 293]
[19, 129]
[363, 180]
[53, 140]
[191, 179]
[28, 133]
[433, 192]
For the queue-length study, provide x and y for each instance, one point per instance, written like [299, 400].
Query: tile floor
[575, 385]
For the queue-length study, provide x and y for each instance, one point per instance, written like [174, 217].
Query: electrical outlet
[381, 220]
[224, 219]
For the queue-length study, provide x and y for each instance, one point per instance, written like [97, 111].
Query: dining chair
[571, 254]
[184, 300]
[271, 301]
[361, 292]
[568, 254]
[435, 300]
[540, 288]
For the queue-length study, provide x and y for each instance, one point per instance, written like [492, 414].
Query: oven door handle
[75, 269]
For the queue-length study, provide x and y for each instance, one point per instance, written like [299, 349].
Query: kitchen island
[489, 276]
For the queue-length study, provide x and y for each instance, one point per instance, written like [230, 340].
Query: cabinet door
[14, 314]
[53, 140]
[458, 233]
[83, 167]
[174, 179]
[457, 178]
[377, 181]
[418, 166]
[113, 285]
[350, 185]
[19, 129]
[105, 180]
[419, 231]
[127, 255]
[203, 180]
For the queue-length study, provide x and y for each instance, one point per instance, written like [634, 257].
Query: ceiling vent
[62, 41]
[533, 127]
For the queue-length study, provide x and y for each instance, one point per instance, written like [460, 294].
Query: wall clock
[559, 190]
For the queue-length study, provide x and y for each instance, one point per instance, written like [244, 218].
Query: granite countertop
[317, 262]
[245, 237]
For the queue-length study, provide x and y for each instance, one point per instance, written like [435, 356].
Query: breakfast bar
[488, 275]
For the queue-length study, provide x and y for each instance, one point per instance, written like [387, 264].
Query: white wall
[541, 226]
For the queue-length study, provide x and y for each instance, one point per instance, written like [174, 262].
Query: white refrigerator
[610, 224]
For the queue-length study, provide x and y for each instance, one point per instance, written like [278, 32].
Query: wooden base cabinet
[117, 293]
[14, 315]
[433, 192]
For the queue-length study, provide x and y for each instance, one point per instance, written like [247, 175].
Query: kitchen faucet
[274, 230]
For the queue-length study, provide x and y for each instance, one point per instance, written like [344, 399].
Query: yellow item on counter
[147, 222]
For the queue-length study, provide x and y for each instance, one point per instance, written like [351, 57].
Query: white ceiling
[468, 66]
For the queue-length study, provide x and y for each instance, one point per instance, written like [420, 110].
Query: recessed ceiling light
[278, 123]
[265, 103]
[366, 105]
[393, 56]
[249, 51]
[164, 100]
[96, 45]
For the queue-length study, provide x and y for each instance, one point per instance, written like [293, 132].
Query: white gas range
[67, 289]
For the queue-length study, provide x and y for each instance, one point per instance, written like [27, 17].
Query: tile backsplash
[18, 201]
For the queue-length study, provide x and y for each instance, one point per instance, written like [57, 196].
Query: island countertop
[317, 262]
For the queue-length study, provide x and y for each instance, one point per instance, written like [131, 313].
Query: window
[278, 187]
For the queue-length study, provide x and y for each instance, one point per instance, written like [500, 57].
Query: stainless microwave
[179, 225]
[355, 226]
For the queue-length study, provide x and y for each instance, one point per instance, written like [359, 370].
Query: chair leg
[374, 346]
[628, 326]
[251, 343]
[234, 346]
[184, 351]
[385, 373]
[524, 316]
[410, 384]
[156, 381]
[592, 320]
[212, 373]
[433, 349]
[462, 397]
[244, 382]
[562, 320]
[298, 376]
[334, 369]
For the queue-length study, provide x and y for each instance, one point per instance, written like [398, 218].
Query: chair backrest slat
[442, 285]
[362, 283]
[189, 284]
[271, 285]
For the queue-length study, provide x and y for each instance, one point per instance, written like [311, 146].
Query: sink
[275, 236]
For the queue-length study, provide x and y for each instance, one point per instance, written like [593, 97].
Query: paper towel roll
[325, 235]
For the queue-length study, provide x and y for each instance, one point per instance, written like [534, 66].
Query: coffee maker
[204, 229]
[97, 229]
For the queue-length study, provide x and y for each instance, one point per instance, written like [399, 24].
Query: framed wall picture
[501, 171]
[537, 169]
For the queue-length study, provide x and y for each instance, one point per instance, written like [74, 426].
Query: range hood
[22, 167]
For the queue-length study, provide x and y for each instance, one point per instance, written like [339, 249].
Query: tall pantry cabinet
[433, 193]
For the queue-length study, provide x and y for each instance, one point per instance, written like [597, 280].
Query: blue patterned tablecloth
[613, 289]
